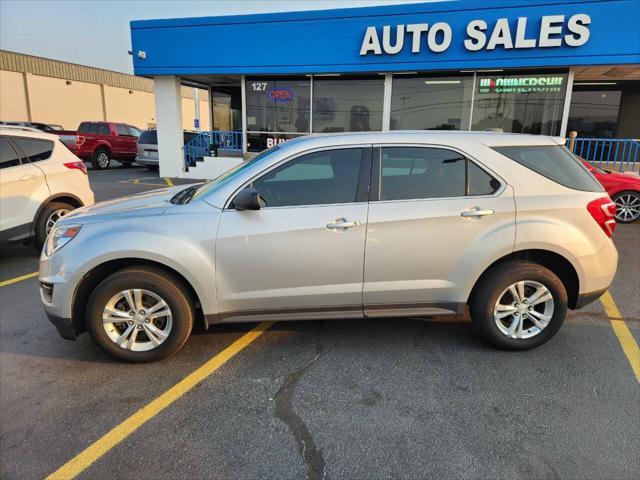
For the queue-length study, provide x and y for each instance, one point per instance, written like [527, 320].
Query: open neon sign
[281, 94]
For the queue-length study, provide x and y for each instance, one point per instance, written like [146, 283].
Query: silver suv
[341, 226]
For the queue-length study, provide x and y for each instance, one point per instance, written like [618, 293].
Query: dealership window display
[431, 103]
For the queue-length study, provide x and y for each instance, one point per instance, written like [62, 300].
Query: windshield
[211, 185]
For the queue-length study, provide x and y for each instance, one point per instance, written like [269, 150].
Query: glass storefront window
[594, 113]
[347, 104]
[431, 103]
[278, 105]
[520, 102]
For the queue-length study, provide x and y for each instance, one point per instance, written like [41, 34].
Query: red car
[623, 189]
[99, 142]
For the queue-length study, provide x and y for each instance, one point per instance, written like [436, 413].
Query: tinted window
[315, 179]
[34, 149]
[133, 131]
[103, 129]
[85, 127]
[8, 156]
[122, 130]
[555, 163]
[148, 137]
[414, 172]
[480, 182]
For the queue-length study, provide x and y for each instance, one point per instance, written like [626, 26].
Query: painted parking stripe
[168, 181]
[84, 459]
[11, 281]
[628, 343]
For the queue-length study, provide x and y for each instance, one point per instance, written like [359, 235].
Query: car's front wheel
[518, 305]
[140, 314]
[627, 206]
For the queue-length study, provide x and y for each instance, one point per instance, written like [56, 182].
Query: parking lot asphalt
[389, 398]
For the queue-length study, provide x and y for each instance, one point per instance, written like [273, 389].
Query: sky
[96, 32]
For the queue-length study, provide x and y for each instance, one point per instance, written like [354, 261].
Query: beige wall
[53, 101]
[13, 104]
[130, 106]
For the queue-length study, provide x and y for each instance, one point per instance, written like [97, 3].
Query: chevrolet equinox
[336, 227]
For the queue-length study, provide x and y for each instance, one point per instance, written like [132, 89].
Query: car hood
[150, 203]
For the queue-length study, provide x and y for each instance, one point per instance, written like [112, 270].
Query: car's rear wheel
[140, 314]
[519, 305]
[48, 217]
[627, 206]
[100, 159]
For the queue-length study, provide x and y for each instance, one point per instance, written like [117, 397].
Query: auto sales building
[532, 66]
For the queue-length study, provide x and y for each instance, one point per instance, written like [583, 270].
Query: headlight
[59, 237]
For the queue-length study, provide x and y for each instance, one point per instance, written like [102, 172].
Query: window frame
[21, 159]
[24, 158]
[376, 179]
[363, 189]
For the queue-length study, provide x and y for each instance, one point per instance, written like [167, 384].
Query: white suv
[40, 182]
[342, 226]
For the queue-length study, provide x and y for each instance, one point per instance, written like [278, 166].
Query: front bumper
[587, 298]
[63, 325]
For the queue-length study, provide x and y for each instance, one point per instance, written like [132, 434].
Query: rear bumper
[587, 298]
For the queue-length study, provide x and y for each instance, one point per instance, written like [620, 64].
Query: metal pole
[196, 110]
[244, 114]
[386, 106]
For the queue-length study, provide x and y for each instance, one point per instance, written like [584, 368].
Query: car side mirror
[247, 199]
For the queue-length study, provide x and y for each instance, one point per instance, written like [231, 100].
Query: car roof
[449, 137]
[26, 132]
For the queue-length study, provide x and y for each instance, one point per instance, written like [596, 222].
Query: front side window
[34, 149]
[122, 130]
[8, 156]
[319, 178]
[411, 173]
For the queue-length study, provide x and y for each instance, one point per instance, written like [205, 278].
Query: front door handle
[340, 223]
[476, 212]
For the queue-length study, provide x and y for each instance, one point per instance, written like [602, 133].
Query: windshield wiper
[183, 196]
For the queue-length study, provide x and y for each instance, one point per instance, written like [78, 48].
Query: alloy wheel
[103, 160]
[137, 320]
[524, 309]
[627, 207]
[54, 217]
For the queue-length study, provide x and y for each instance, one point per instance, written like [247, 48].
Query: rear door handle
[340, 223]
[476, 212]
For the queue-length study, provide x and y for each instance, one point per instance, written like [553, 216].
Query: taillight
[79, 140]
[603, 211]
[77, 165]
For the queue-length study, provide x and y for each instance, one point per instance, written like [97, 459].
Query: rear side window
[34, 149]
[148, 137]
[85, 127]
[412, 173]
[103, 129]
[8, 156]
[555, 163]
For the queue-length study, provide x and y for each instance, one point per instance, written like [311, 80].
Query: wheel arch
[555, 262]
[98, 273]
[58, 197]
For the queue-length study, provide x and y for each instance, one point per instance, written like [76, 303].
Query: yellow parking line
[137, 180]
[168, 182]
[4, 283]
[628, 343]
[84, 459]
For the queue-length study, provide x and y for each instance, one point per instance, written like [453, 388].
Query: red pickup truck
[99, 142]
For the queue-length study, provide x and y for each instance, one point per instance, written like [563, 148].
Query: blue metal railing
[200, 146]
[612, 153]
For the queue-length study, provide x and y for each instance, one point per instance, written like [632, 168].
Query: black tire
[46, 214]
[126, 163]
[98, 159]
[491, 286]
[155, 280]
[626, 196]
[152, 168]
